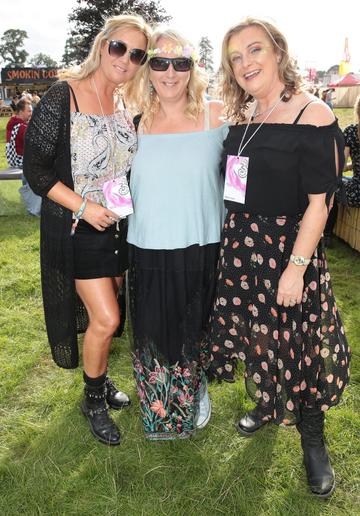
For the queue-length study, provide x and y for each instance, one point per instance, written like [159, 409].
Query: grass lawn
[51, 465]
[345, 116]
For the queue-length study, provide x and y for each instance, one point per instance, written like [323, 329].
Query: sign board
[28, 75]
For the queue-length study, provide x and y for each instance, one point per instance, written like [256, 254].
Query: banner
[28, 75]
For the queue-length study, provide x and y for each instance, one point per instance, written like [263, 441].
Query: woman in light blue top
[174, 236]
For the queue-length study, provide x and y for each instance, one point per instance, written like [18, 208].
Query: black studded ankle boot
[116, 399]
[95, 409]
[320, 475]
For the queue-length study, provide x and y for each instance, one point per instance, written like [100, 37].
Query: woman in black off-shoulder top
[275, 309]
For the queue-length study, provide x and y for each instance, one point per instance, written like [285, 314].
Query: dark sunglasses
[118, 48]
[180, 64]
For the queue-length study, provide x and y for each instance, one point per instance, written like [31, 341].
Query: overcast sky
[315, 30]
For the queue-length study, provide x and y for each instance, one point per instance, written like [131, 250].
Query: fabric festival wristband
[79, 214]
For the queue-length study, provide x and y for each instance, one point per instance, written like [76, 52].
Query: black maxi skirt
[171, 293]
[293, 356]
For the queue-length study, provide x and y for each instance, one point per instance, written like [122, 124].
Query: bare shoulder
[317, 112]
[76, 84]
[216, 108]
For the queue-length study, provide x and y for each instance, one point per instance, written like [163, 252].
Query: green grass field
[51, 465]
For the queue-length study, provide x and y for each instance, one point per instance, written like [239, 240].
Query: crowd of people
[30, 96]
[215, 208]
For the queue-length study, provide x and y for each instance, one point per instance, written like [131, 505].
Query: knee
[106, 324]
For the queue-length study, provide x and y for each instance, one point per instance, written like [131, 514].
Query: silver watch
[299, 260]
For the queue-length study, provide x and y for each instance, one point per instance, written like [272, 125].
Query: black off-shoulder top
[286, 163]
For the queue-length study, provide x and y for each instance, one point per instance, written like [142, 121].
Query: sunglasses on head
[118, 48]
[180, 64]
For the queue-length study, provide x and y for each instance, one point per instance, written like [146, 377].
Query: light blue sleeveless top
[177, 190]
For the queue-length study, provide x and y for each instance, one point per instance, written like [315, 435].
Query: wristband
[78, 216]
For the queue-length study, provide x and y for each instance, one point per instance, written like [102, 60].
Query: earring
[151, 88]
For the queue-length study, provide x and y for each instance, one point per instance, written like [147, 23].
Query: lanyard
[242, 144]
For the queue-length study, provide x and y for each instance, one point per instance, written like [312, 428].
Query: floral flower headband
[186, 51]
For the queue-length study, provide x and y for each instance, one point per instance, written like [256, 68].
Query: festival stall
[348, 226]
[346, 90]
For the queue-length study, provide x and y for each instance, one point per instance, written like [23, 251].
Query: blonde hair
[144, 99]
[89, 66]
[236, 99]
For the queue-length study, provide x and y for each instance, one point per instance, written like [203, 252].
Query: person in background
[329, 98]
[14, 101]
[35, 98]
[350, 193]
[15, 137]
[352, 150]
[174, 236]
[78, 152]
[275, 308]
[15, 132]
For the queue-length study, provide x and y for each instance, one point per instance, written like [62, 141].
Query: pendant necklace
[255, 114]
[242, 144]
[116, 191]
[111, 132]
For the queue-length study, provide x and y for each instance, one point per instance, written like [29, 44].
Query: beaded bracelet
[78, 216]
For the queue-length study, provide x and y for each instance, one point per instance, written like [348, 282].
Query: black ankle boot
[95, 410]
[116, 399]
[320, 475]
[250, 423]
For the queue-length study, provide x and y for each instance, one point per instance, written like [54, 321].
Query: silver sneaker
[204, 410]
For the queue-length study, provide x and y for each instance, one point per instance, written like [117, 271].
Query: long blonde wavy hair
[89, 66]
[144, 99]
[236, 99]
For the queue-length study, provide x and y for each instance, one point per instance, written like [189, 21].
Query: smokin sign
[28, 75]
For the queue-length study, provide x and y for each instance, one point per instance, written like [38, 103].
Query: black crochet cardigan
[47, 160]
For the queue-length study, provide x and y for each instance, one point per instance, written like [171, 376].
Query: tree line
[85, 21]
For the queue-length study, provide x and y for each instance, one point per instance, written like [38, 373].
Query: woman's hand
[291, 285]
[98, 216]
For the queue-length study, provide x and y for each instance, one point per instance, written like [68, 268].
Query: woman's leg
[319, 472]
[100, 299]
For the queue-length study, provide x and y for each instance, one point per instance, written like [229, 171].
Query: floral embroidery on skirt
[169, 397]
[293, 356]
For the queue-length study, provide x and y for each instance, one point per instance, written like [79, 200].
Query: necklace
[109, 127]
[93, 83]
[242, 144]
[255, 114]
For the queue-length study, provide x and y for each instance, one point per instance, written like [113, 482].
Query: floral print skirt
[295, 356]
[171, 293]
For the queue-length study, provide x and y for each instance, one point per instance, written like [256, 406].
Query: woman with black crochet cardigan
[78, 145]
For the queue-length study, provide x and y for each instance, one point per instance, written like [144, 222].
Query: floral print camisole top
[102, 148]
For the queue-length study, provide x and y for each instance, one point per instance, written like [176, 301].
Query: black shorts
[100, 254]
